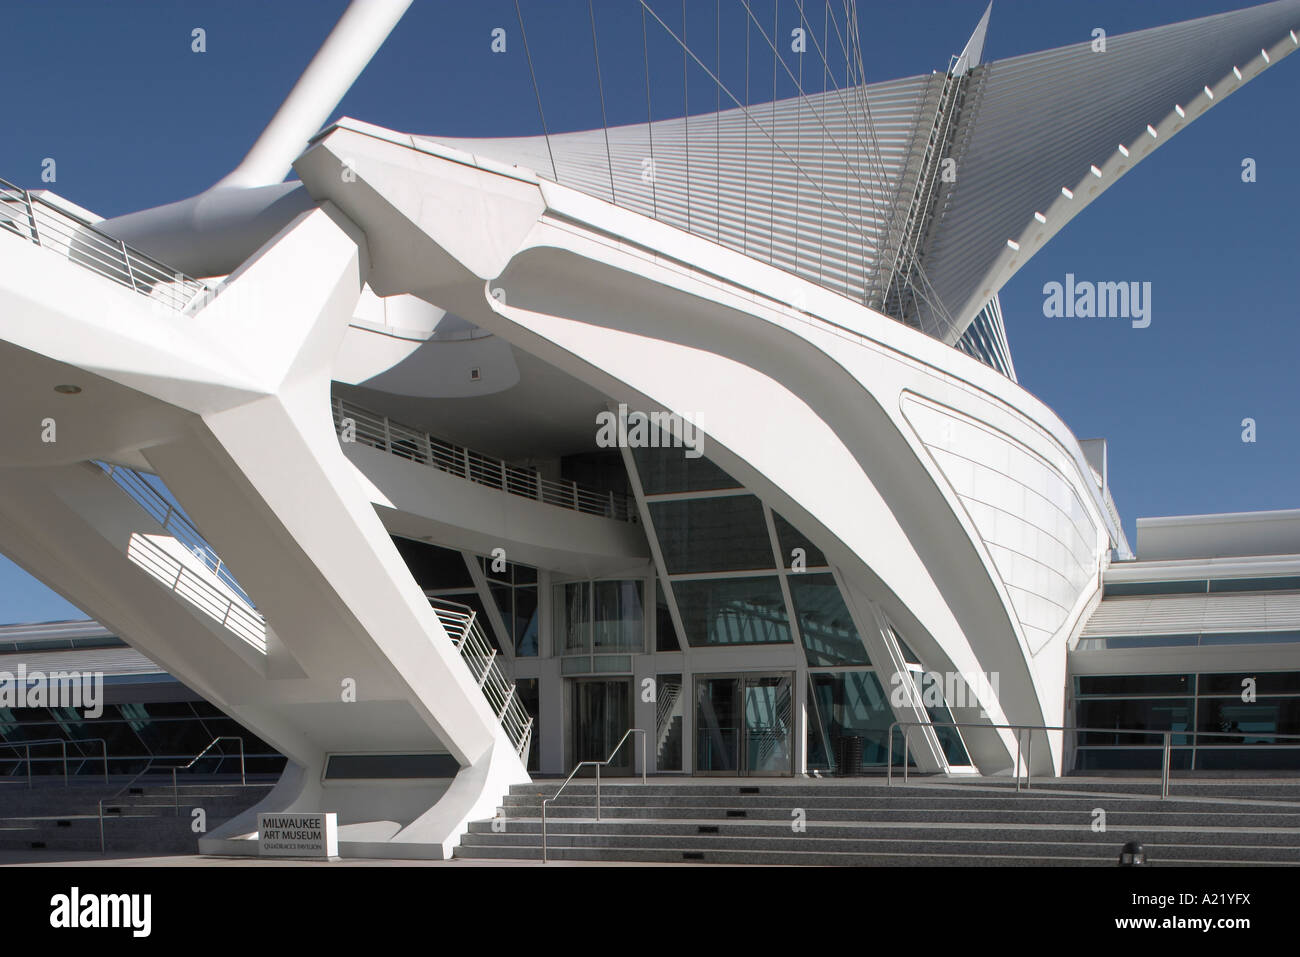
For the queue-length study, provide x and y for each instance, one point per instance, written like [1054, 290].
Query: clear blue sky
[133, 118]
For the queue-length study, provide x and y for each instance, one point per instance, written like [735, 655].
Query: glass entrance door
[742, 724]
[767, 725]
[717, 725]
[601, 713]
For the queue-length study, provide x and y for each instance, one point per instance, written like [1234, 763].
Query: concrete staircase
[857, 822]
[143, 820]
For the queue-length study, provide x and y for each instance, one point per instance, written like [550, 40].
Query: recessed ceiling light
[67, 389]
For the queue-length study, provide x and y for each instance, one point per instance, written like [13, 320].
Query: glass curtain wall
[601, 617]
[514, 589]
[1225, 721]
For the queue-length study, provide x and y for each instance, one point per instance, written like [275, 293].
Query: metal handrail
[173, 519]
[249, 625]
[481, 659]
[243, 778]
[380, 432]
[645, 758]
[118, 793]
[77, 239]
[26, 746]
[1020, 729]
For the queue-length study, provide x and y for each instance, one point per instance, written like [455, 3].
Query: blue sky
[134, 118]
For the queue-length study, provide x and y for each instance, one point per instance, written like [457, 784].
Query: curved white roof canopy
[780, 181]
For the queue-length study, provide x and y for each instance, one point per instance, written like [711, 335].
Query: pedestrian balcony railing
[461, 624]
[173, 520]
[228, 611]
[34, 220]
[378, 431]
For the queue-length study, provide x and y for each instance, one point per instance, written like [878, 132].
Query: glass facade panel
[848, 705]
[790, 539]
[1254, 584]
[665, 630]
[1274, 682]
[1117, 589]
[1140, 714]
[603, 616]
[619, 616]
[1231, 733]
[954, 750]
[171, 732]
[514, 589]
[668, 470]
[733, 611]
[670, 713]
[434, 567]
[529, 691]
[713, 534]
[1143, 685]
[575, 624]
[825, 625]
[1246, 722]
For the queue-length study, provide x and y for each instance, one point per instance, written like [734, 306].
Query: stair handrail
[1021, 729]
[243, 778]
[645, 758]
[64, 742]
[467, 636]
[148, 765]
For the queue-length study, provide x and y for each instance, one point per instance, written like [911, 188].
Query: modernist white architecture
[385, 402]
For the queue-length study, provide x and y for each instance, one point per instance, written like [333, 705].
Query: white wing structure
[381, 405]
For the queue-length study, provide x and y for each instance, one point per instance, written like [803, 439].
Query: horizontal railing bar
[35, 219]
[379, 432]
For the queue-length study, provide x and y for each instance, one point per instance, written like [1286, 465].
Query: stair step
[868, 822]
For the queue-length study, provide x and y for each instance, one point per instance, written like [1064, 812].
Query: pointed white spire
[973, 55]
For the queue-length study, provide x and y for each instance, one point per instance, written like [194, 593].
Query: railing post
[506, 706]
[31, 216]
[29, 765]
[126, 260]
[543, 830]
[1029, 761]
[1165, 766]
[104, 746]
[907, 749]
[889, 757]
[597, 790]
[645, 755]
[64, 746]
[243, 779]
